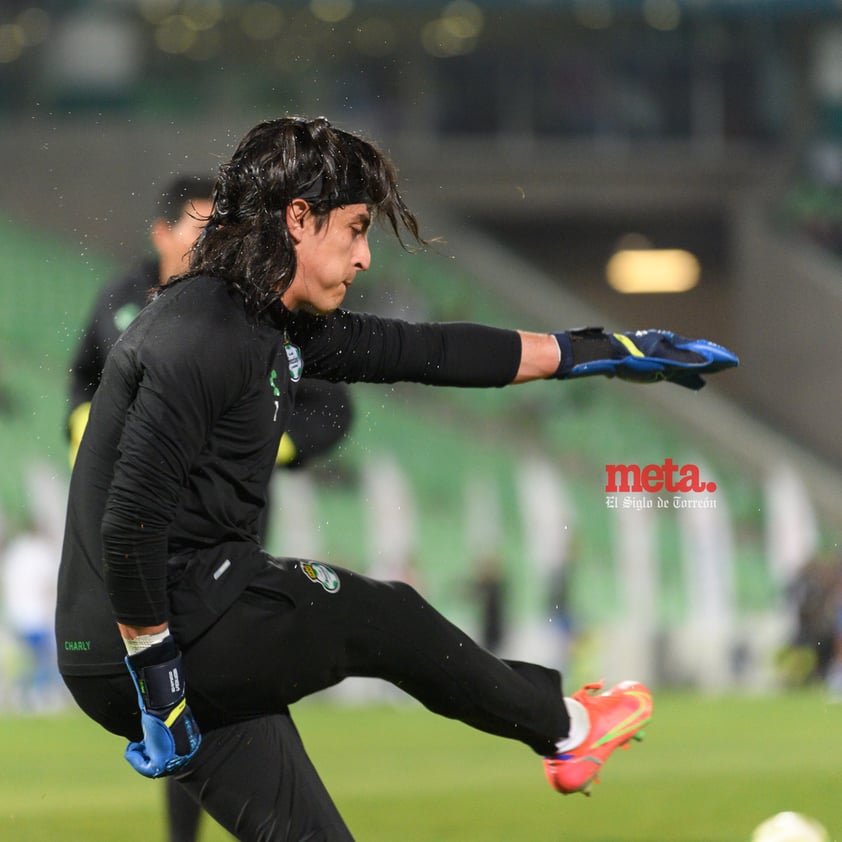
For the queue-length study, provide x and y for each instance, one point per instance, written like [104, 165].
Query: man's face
[173, 241]
[328, 258]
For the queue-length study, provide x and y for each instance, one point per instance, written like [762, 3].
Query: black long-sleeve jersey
[323, 413]
[184, 430]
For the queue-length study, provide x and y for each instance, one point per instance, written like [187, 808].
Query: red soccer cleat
[616, 716]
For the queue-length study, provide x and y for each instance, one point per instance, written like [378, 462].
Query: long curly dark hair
[246, 241]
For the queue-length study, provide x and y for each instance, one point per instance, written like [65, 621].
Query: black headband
[351, 190]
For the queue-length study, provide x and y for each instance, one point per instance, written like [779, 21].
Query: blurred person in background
[815, 594]
[183, 207]
[29, 567]
[176, 630]
[322, 413]
[814, 656]
[834, 670]
[489, 588]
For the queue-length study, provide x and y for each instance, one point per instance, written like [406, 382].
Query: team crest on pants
[322, 574]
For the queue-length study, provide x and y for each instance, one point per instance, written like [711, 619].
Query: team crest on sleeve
[294, 361]
[322, 574]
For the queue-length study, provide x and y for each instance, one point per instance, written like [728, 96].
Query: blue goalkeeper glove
[642, 356]
[170, 734]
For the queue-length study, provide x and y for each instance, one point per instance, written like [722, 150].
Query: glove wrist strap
[158, 675]
[583, 345]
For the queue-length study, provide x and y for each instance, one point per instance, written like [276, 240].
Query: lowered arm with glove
[170, 734]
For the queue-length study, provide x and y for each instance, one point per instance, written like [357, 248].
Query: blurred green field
[708, 771]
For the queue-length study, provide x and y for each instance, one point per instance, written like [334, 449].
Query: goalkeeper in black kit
[323, 411]
[176, 630]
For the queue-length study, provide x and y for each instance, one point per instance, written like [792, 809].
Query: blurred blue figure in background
[30, 565]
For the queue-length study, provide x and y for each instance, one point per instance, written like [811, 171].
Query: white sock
[580, 725]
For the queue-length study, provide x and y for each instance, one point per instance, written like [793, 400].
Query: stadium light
[649, 270]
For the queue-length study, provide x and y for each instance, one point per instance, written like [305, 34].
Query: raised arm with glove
[642, 356]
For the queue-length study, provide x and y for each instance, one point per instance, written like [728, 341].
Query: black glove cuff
[159, 673]
[583, 345]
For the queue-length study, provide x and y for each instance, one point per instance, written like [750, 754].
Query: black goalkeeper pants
[300, 627]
